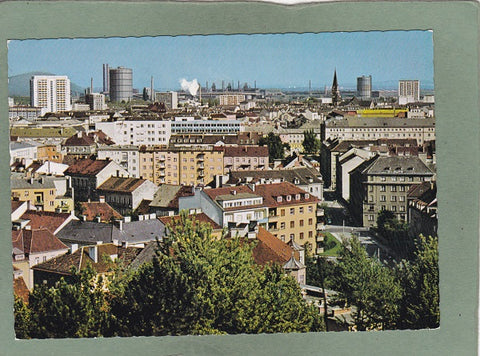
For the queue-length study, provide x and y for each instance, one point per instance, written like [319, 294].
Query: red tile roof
[42, 240]
[20, 289]
[270, 192]
[46, 219]
[87, 167]
[16, 204]
[271, 249]
[104, 210]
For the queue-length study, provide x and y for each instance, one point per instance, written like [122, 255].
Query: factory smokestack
[223, 85]
[255, 84]
[152, 92]
[91, 85]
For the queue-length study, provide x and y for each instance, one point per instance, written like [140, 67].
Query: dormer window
[279, 199]
[297, 197]
[307, 196]
[289, 197]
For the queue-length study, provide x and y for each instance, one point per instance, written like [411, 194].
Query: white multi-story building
[51, 92]
[372, 128]
[137, 132]
[96, 101]
[125, 155]
[408, 91]
[188, 124]
[231, 99]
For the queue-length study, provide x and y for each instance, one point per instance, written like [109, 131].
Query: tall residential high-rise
[121, 82]
[106, 79]
[364, 87]
[51, 92]
[336, 97]
[408, 91]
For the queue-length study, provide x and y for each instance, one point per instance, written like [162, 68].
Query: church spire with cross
[336, 97]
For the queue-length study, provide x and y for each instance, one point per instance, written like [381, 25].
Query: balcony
[161, 166]
[320, 250]
[201, 156]
[320, 212]
[320, 237]
[162, 173]
[201, 166]
[201, 173]
[320, 226]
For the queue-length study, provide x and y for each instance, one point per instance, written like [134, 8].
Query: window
[393, 188]
[292, 236]
[394, 208]
[292, 211]
[383, 198]
[401, 198]
[279, 199]
[382, 188]
[282, 225]
[301, 222]
[282, 212]
[310, 234]
[282, 237]
[310, 221]
[300, 210]
[292, 224]
[393, 198]
[401, 188]
[371, 217]
[310, 209]
[301, 236]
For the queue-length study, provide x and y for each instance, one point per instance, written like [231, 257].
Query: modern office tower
[364, 87]
[106, 78]
[121, 82]
[170, 99]
[336, 97]
[408, 91]
[51, 92]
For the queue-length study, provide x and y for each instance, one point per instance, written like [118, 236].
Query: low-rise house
[52, 221]
[35, 246]
[165, 199]
[99, 256]
[99, 211]
[82, 145]
[40, 192]
[126, 194]
[88, 174]
[131, 233]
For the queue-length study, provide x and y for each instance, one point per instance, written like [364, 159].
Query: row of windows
[301, 235]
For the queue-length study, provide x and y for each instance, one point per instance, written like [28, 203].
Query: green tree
[311, 144]
[396, 234]
[200, 285]
[145, 94]
[276, 149]
[369, 286]
[22, 319]
[76, 309]
[420, 281]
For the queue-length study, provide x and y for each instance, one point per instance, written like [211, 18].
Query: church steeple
[336, 97]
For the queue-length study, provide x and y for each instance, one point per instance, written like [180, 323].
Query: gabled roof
[270, 249]
[121, 184]
[40, 241]
[87, 167]
[80, 259]
[46, 219]
[398, 165]
[93, 209]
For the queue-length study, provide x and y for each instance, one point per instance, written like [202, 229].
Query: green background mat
[455, 29]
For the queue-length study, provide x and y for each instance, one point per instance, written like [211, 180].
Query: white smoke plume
[192, 87]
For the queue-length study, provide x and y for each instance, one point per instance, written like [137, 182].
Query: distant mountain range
[19, 85]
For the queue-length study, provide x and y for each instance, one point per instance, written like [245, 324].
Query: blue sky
[278, 60]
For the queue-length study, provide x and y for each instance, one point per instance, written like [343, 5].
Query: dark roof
[398, 165]
[93, 209]
[246, 151]
[302, 174]
[90, 139]
[121, 184]
[80, 258]
[89, 232]
[147, 254]
[87, 167]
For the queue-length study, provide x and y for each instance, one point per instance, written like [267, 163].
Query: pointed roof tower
[336, 97]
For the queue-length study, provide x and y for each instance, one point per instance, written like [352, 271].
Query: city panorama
[223, 184]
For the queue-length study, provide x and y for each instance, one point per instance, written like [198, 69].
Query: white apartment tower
[51, 92]
[408, 91]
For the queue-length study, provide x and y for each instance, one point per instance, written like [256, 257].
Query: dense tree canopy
[195, 285]
[276, 149]
[311, 144]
